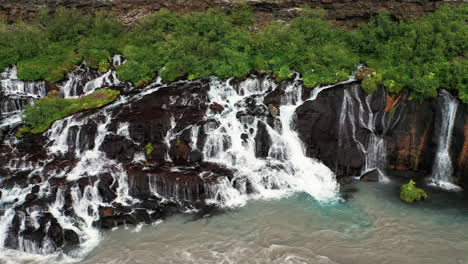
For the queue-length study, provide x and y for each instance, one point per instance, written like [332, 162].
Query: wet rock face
[410, 131]
[317, 125]
[340, 11]
[412, 142]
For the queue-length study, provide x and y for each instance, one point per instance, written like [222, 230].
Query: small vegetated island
[420, 55]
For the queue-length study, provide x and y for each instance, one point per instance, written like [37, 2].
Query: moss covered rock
[409, 193]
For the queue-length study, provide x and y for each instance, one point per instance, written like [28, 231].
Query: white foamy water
[442, 170]
[230, 141]
[16, 95]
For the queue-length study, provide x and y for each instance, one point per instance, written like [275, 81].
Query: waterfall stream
[356, 114]
[442, 170]
[15, 94]
[231, 142]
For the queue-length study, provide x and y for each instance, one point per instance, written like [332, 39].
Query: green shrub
[40, 116]
[309, 45]
[421, 55]
[409, 193]
[370, 85]
[149, 149]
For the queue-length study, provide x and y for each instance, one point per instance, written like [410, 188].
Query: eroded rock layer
[345, 12]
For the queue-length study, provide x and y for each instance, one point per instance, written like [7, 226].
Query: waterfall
[66, 179]
[15, 95]
[65, 137]
[84, 81]
[442, 169]
[230, 142]
[356, 115]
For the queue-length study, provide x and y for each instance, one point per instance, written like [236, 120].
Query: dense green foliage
[40, 116]
[193, 45]
[421, 55]
[409, 193]
[53, 44]
[204, 44]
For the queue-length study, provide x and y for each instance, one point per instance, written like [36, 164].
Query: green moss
[149, 149]
[22, 131]
[409, 193]
[40, 116]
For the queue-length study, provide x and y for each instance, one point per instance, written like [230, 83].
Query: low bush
[409, 193]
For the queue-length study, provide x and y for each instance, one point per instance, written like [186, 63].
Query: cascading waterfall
[442, 169]
[15, 95]
[64, 136]
[230, 141]
[356, 114]
[79, 82]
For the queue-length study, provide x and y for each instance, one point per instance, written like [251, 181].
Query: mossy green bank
[45, 111]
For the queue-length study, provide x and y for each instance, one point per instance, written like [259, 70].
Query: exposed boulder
[373, 175]
[217, 107]
[274, 111]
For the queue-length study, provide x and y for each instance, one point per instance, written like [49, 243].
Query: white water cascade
[357, 114]
[442, 169]
[15, 95]
[230, 141]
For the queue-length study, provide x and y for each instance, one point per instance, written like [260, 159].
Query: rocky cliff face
[409, 131]
[345, 12]
[213, 143]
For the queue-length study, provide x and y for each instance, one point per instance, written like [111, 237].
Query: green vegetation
[53, 44]
[40, 116]
[149, 149]
[409, 193]
[419, 55]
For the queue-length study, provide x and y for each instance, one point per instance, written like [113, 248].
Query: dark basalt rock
[196, 156]
[274, 111]
[373, 175]
[262, 141]
[411, 142]
[119, 148]
[179, 151]
[318, 127]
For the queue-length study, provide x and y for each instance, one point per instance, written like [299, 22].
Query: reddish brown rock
[217, 108]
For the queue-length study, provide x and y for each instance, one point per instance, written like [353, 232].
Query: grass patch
[45, 111]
